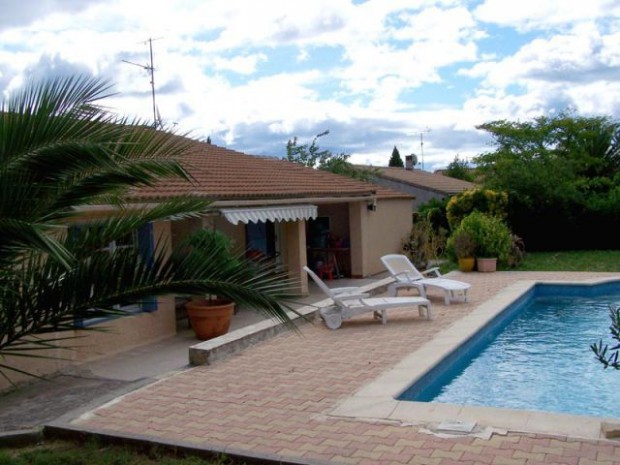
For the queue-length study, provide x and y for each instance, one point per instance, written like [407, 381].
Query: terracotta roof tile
[432, 181]
[224, 174]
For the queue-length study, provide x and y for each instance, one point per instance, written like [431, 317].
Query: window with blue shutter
[143, 240]
[146, 247]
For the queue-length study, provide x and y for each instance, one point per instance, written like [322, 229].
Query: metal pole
[422, 149]
[152, 69]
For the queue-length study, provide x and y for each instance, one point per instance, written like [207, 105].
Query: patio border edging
[60, 430]
[204, 353]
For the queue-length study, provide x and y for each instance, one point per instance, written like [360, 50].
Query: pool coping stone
[377, 400]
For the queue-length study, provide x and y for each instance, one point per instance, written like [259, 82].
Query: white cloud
[526, 15]
[240, 64]
[258, 73]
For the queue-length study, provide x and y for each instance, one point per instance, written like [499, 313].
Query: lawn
[582, 260]
[55, 452]
[593, 260]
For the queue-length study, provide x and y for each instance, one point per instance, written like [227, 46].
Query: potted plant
[492, 239]
[210, 315]
[464, 248]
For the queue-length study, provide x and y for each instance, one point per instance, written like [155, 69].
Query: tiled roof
[431, 181]
[224, 174]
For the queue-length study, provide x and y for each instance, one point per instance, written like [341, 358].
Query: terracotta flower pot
[210, 318]
[486, 265]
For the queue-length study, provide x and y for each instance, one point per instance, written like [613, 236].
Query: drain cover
[462, 427]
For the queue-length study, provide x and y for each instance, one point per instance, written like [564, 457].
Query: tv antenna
[151, 70]
[421, 133]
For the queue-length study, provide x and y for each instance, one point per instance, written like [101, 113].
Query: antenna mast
[426, 131]
[151, 70]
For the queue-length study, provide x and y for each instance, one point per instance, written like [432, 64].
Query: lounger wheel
[332, 317]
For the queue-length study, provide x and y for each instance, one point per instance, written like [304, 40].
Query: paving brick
[456, 462]
[499, 460]
[496, 451]
[547, 450]
[393, 457]
[340, 451]
[595, 462]
[478, 458]
[291, 452]
[564, 443]
[284, 407]
[467, 448]
[414, 451]
[603, 457]
[454, 455]
[420, 460]
[562, 459]
[519, 454]
[375, 455]
[409, 443]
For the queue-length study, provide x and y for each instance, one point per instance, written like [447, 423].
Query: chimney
[409, 162]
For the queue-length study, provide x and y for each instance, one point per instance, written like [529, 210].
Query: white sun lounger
[407, 276]
[351, 301]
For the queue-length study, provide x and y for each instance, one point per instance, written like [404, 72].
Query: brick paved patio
[275, 399]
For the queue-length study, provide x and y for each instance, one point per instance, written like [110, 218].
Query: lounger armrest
[345, 290]
[405, 276]
[434, 270]
[359, 295]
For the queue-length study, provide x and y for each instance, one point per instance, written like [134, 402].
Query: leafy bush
[435, 211]
[423, 243]
[486, 201]
[517, 251]
[461, 245]
[605, 354]
[490, 234]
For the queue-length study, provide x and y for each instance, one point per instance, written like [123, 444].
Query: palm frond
[17, 236]
[62, 153]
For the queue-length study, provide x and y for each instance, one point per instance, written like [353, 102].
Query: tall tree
[312, 156]
[307, 154]
[60, 154]
[395, 159]
[561, 176]
[459, 169]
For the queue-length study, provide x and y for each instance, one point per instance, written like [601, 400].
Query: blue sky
[376, 73]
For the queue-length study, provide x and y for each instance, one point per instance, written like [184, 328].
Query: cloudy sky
[376, 73]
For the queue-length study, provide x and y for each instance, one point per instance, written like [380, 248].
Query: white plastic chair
[351, 301]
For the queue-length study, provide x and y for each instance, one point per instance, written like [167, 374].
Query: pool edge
[377, 399]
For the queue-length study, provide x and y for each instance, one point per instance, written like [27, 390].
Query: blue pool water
[534, 356]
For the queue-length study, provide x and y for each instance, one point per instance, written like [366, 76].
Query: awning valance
[275, 213]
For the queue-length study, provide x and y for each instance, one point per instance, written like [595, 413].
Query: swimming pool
[534, 355]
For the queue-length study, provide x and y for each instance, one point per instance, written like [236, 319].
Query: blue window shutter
[146, 247]
[72, 234]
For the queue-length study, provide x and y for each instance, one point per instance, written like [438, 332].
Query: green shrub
[435, 211]
[461, 244]
[490, 234]
[486, 201]
[517, 251]
[423, 243]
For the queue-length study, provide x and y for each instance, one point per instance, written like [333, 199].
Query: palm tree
[60, 154]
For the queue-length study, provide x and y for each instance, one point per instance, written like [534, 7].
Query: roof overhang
[272, 213]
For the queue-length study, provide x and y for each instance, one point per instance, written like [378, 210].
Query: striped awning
[276, 213]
